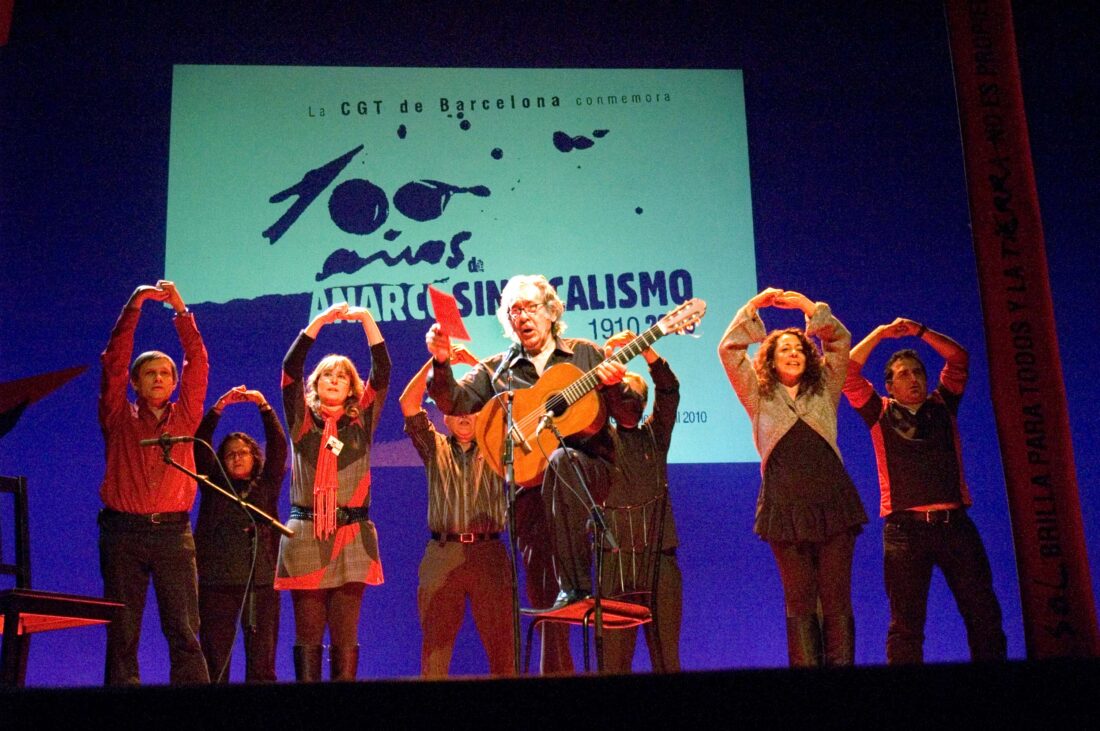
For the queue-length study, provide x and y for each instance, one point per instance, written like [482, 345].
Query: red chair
[24, 611]
[626, 597]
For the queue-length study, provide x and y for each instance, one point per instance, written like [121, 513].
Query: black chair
[625, 597]
[24, 611]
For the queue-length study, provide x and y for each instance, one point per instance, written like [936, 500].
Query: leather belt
[931, 517]
[344, 515]
[144, 519]
[464, 537]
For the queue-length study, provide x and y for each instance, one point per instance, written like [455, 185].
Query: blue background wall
[856, 172]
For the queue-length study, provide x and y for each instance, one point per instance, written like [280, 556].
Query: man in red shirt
[145, 525]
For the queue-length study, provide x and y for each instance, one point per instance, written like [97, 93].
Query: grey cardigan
[772, 415]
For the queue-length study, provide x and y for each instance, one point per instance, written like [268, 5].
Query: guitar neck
[590, 380]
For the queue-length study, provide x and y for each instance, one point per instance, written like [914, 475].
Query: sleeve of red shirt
[955, 374]
[862, 395]
[193, 375]
[115, 362]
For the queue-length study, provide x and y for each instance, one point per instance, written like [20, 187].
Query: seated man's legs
[533, 538]
[567, 508]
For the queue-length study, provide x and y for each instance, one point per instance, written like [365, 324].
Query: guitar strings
[574, 391]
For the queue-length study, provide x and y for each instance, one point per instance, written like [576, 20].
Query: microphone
[544, 422]
[164, 440]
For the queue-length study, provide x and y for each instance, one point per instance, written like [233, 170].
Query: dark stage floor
[1060, 694]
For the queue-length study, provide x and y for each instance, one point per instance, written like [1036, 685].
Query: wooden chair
[626, 596]
[24, 611]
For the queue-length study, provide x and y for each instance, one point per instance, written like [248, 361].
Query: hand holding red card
[446, 314]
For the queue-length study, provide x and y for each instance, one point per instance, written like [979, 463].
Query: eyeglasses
[529, 309]
[238, 454]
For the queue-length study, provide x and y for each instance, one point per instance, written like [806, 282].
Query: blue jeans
[911, 548]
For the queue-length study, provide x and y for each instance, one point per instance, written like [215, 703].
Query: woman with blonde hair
[331, 418]
[808, 509]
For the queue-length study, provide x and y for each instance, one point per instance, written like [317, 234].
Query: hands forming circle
[241, 394]
[901, 327]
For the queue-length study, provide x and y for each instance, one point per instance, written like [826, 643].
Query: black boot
[804, 641]
[840, 639]
[344, 662]
[307, 663]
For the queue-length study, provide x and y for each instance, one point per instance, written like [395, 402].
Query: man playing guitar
[551, 519]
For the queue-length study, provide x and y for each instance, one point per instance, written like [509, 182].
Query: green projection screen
[629, 189]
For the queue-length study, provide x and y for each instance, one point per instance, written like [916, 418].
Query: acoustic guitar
[569, 394]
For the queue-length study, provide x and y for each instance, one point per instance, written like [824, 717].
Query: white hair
[547, 296]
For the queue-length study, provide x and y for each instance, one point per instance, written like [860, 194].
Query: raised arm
[380, 357]
[745, 328]
[115, 359]
[899, 328]
[370, 327]
[195, 372]
[836, 341]
[413, 395]
[329, 316]
[275, 447]
[450, 396]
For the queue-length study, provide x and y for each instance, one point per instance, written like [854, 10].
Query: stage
[1049, 693]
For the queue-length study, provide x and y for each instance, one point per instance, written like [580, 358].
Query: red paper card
[446, 314]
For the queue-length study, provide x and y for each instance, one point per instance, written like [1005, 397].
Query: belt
[464, 537]
[932, 517]
[144, 519]
[344, 515]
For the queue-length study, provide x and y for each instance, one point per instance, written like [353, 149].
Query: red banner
[7, 7]
[1029, 399]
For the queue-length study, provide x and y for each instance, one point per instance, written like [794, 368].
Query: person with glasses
[551, 520]
[224, 541]
[923, 493]
[331, 417]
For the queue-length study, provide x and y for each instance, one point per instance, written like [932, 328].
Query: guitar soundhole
[555, 404]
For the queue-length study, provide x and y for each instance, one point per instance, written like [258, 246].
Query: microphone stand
[244, 504]
[602, 534]
[253, 513]
[510, 485]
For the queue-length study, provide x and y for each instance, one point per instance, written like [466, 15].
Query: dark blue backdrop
[858, 199]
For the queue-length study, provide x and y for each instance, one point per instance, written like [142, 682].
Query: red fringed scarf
[325, 480]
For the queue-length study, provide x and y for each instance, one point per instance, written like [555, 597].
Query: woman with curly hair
[808, 509]
[224, 541]
[331, 417]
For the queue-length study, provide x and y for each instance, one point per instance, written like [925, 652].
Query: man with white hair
[551, 521]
